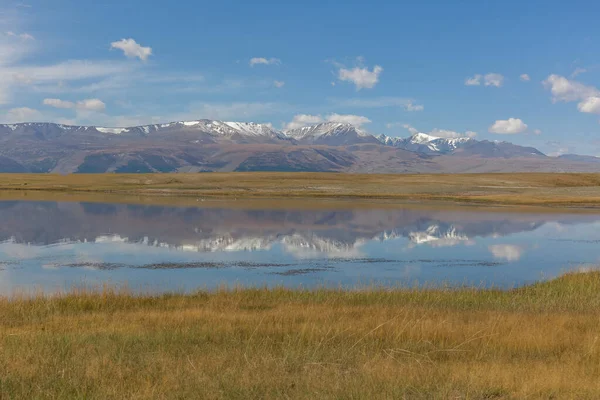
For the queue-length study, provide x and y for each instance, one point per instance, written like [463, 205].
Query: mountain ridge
[209, 145]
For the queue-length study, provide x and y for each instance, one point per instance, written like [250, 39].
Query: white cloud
[414, 107]
[362, 78]
[566, 90]
[264, 61]
[91, 105]
[23, 36]
[302, 120]
[279, 84]
[474, 80]
[355, 120]
[493, 79]
[507, 252]
[508, 127]
[590, 105]
[87, 104]
[411, 129]
[132, 49]
[57, 103]
[537, 131]
[525, 77]
[23, 114]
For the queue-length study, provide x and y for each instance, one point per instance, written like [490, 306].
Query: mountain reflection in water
[289, 247]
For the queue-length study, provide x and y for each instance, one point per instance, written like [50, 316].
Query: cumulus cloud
[91, 105]
[491, 79]
[525, 77]
[362, 78]
[474, 80]
[509, 126]
[87, 104]
[302, 120]
[279, 84]
[537, 131]
[355, 120]
[264, 61]
[566, 90]
[132, 49]
[57, 103]
[23, 114]
[590, 105]
[507, 252]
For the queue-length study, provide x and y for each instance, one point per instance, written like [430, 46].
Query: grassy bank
[573, 190]
[541, 341]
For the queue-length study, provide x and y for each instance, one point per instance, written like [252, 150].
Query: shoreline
[285, 343]
[529, 192]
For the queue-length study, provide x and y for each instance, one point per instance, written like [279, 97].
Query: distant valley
[211, 146]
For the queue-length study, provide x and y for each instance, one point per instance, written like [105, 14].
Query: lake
[50, 246]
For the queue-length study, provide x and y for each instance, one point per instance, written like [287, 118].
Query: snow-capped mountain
[331, 134]
[216, 129]
[426, 144]
[207, 145]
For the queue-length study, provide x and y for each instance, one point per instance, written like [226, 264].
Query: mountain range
[304, 233]
[208, 145]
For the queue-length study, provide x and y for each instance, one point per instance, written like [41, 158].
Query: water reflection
[166, 248]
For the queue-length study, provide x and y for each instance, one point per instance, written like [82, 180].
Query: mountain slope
[426, 144]
[331, 134]
[489, 149]
[206, 145]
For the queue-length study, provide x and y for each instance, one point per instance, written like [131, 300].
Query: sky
[525, 72]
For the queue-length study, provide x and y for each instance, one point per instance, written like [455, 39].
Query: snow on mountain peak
[252, 128]
[422, 138]
[114, 131]
[326, 128]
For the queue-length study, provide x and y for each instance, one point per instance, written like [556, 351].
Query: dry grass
[582, 190]
[536, 342]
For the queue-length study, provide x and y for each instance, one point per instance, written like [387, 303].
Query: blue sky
[527, 72]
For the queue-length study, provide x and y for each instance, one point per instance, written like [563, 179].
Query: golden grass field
[537, 342]
[559, 190]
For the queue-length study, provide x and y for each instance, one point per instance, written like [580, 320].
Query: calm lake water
[54, 246]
